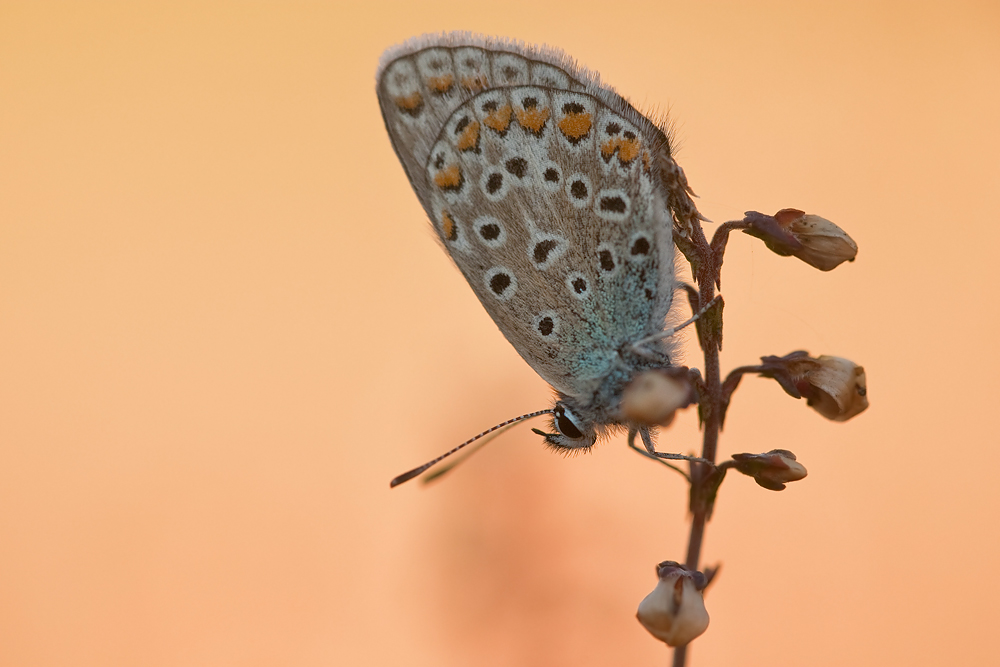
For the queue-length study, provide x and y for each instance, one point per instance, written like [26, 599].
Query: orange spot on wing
[441, 84]
[628, 149]
[499, 119]
[448, 226]
[474, 83]
[409, 102]
[449, 178]
[575, 125]
[532, 119]
[469, 137]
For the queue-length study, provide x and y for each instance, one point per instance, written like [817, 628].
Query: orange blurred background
[225, 325]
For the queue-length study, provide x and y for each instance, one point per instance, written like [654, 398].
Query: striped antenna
[407, 476]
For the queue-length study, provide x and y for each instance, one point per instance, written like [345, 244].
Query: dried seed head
[772, 469]
[833, 386]
[674, 612]
[815, 240]
[837, 388]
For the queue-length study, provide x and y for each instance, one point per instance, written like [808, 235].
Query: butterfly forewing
[544, 193]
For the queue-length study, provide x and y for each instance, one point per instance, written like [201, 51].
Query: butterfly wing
[545, 192]
[424, 80]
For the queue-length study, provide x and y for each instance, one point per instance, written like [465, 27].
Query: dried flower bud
[815, 240]
[675, 611]
[834, 387]
[772, 469]
[654, 397]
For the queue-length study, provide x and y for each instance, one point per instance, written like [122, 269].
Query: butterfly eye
[567, 423]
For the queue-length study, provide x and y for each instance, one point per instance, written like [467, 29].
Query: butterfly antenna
[407, 476]
[667, 333]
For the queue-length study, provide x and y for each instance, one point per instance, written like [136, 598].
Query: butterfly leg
[652, 454]
[650, 448]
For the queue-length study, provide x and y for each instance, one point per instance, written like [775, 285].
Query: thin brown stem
[709, 338]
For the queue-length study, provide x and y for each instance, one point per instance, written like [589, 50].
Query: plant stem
[708, 270]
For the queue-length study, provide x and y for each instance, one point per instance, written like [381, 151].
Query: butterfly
[558, 202]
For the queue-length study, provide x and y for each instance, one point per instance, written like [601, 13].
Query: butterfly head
[572, 430]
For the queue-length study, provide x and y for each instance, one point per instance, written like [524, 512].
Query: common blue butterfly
[557, 200]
